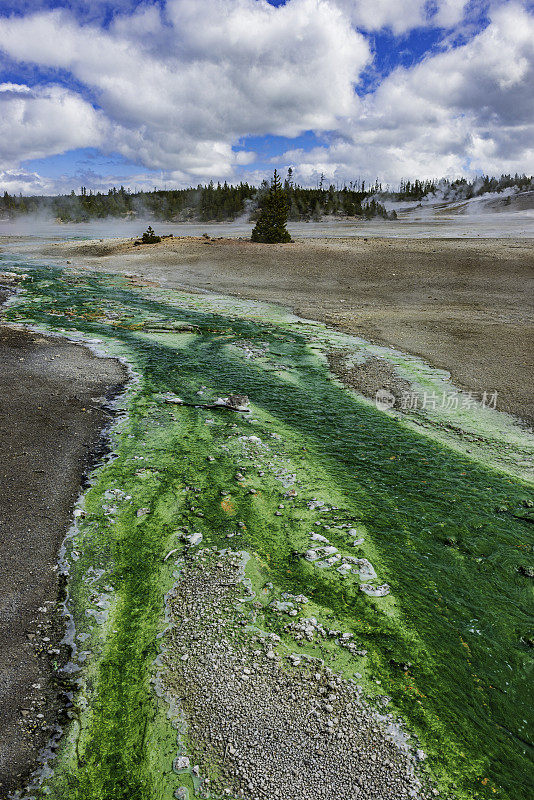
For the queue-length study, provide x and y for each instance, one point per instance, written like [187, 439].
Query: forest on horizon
[224, 202]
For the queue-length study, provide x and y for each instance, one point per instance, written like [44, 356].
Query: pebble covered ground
[260, 721]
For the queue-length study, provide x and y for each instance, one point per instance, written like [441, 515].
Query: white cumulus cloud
[174, 87]
[469, 108]
[177, 93]
[39, 122]
[401, 16]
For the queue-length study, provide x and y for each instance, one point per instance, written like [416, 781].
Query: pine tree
[271, 224]
[149, 237]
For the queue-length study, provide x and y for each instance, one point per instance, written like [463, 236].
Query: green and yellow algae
[445, 531]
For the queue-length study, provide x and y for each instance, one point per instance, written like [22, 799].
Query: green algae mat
[446, 531]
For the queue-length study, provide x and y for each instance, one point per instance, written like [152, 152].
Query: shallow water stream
[448, 533]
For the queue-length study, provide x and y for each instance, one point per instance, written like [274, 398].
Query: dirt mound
[92, 248]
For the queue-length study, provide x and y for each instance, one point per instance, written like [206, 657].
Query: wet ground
[51, 419]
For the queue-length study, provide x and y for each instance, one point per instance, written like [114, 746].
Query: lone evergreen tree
[271, 224]
[149, 237]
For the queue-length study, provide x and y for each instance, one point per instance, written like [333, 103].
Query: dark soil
[52, 396]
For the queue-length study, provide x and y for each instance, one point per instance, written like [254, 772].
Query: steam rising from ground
[426, 221]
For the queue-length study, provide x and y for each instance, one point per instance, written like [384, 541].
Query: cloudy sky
[175, 92]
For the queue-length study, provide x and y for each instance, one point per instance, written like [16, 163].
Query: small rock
[528, 572]
[180, 763]
[375, 591]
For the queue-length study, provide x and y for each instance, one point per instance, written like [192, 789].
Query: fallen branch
[207, 405]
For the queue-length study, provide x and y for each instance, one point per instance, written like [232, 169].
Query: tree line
[461, 188]
[204, 203]
[218, 202]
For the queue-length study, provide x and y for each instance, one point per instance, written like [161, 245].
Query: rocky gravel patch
[263, 722]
